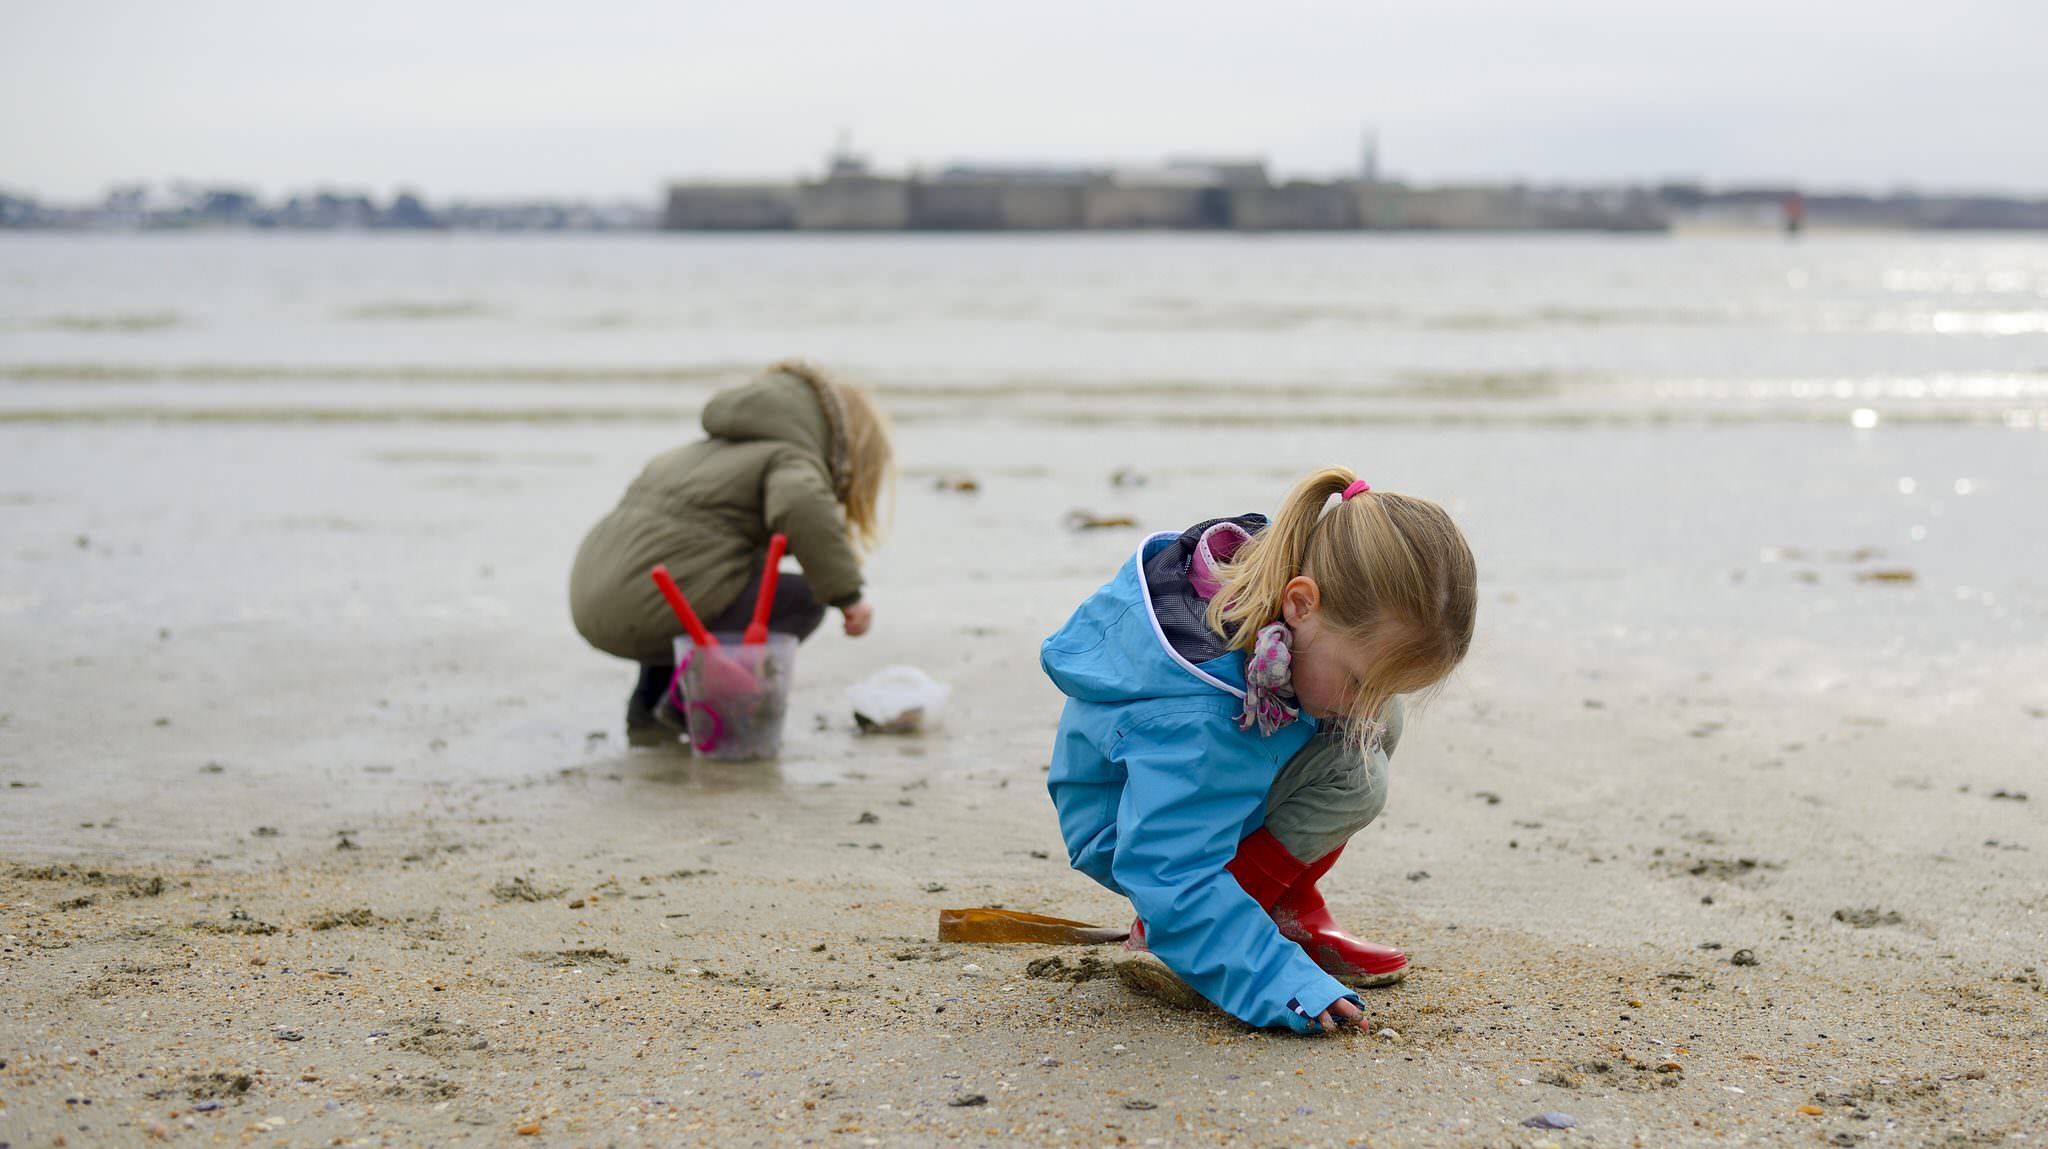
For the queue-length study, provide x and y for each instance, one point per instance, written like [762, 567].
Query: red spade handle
[757, 630]
[681, 605]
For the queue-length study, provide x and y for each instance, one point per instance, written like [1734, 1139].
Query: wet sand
[319, 828]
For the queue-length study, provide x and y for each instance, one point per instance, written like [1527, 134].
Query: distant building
[1135, 203]
[1233, 172]
[978, 205]
[1187, 193]
[852, 198]
[408, 210]
[1295, 207]
[1017, 174]
[1000, 197]
[854, 203]
[1473, 207]
[730, 207]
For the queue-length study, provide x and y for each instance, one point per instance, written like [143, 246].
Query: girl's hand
[1347, 1014]
[859, 617]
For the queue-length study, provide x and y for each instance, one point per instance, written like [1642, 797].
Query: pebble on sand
[1551, 1120]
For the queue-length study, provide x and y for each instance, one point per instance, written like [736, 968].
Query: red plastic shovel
[764, 604]
[676, 602]
[723, 675]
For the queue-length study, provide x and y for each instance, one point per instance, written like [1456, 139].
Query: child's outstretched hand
[859, 617]
[1346, 1014]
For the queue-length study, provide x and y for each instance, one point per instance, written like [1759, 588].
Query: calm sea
[1166, 328]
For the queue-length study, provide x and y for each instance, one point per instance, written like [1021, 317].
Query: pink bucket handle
[712, 737]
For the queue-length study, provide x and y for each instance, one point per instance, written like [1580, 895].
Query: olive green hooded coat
[776, 460]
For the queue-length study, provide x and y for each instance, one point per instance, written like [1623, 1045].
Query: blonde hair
[1393, 569]
[869, 465]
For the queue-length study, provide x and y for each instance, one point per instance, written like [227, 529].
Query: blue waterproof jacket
[1155, 786]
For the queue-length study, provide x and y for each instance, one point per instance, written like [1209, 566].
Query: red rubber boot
[1263, 867]
[1306, 921]
[1285, 887]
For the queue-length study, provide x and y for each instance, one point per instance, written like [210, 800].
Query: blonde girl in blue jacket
[1233, 694]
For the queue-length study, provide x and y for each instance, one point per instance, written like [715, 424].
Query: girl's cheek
[1310, 689]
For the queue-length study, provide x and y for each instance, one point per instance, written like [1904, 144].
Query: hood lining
[1158, 632]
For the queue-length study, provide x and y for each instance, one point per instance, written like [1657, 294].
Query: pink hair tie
[1353, 489]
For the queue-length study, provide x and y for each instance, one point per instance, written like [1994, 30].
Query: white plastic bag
[897, 700]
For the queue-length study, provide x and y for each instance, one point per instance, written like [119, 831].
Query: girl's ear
[1299, 599]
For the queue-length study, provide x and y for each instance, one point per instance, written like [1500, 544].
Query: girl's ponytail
[1393, 570]
[1262, 568]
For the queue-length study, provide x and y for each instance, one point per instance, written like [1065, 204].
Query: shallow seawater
[1071, 330]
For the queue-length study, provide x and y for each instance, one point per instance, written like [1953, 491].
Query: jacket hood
[788, 403]
[1114, 649]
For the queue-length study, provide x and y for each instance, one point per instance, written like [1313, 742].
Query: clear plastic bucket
[735, 697]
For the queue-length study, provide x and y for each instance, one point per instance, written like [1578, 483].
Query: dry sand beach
[319, 828]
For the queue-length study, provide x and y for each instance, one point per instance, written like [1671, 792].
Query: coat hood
[1114, 648]
[788, 403]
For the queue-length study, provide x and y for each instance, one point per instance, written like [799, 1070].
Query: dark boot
[651, 719]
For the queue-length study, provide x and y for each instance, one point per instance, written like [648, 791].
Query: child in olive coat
[791, 452]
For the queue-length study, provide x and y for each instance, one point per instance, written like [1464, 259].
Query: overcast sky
[606, 98]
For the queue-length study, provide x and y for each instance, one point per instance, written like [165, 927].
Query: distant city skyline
[613, 100]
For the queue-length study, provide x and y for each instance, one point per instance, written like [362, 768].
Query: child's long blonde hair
[1391, 568]
[870, 463]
